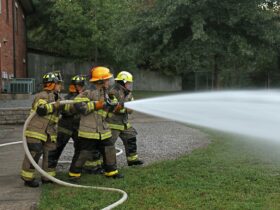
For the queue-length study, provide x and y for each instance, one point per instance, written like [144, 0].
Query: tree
[235, 41]
[178, 37]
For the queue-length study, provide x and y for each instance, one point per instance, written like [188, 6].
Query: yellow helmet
[100, 73]
[124, 76]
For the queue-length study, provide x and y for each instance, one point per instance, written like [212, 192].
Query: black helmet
[50, 77]
[78, 80]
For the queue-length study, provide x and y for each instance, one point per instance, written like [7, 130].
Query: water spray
[251, 113]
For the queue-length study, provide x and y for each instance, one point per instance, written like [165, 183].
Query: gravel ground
[158, 140]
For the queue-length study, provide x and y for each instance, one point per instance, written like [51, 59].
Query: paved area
[13, 195]
[158, 139]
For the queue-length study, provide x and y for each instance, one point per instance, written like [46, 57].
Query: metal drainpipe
[26, 49]
[1, 82]
[14, 39]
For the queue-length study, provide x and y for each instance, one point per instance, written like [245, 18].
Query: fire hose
[57, 181]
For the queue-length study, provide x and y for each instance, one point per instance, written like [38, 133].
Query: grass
[231, 173]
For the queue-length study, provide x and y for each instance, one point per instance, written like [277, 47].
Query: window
[0, 7]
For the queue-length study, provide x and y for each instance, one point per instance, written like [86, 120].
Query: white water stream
[251, 113]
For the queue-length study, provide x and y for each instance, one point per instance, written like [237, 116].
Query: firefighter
[41, 132]
[68, 124]
[118, 120]
[93, 132]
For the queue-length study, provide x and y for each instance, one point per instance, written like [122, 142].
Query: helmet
[50, 78]
[124, 76]
[78, 80]
[100, 73]
[58, 75]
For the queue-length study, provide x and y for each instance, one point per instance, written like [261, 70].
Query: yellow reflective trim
[27, 174]
[122, 110]
[36, 135]
[38, 103]
[90, 135]
[80, 99]
[132, 158]
[64, 130]
[106, 135]
[90, 106]
[49, 108]
[102, 113]
[41, 102]
[92, 163]
[53, 138]
[52, 118]
[98, 162]
[67, 107]
[52, 173]
[116, 127]
[114, 100]
[119, 127]
[111, 173]
[74, 174]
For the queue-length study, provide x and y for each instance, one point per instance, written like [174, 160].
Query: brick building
[13, 53]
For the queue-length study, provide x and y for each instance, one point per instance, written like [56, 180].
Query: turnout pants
[37, 148]
[62, 140]
[84, 150]
[128, 137]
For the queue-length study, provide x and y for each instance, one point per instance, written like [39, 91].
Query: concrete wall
[153, 81]
[38, 64]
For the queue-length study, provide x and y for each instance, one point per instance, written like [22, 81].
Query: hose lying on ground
[57, 181]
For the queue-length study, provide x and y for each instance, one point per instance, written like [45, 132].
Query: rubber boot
[73, 179]
[46, 181]
[116, 176]
[95, 170]
[98, 170]
[135, 162]
[31, 183]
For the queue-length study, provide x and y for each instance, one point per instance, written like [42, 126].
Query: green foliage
[177, 37]
[235, 41]
[79, 29]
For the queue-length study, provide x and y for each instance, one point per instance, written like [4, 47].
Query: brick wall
[6, 40]
[6, 37]
[10, 116]
[20, 37]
